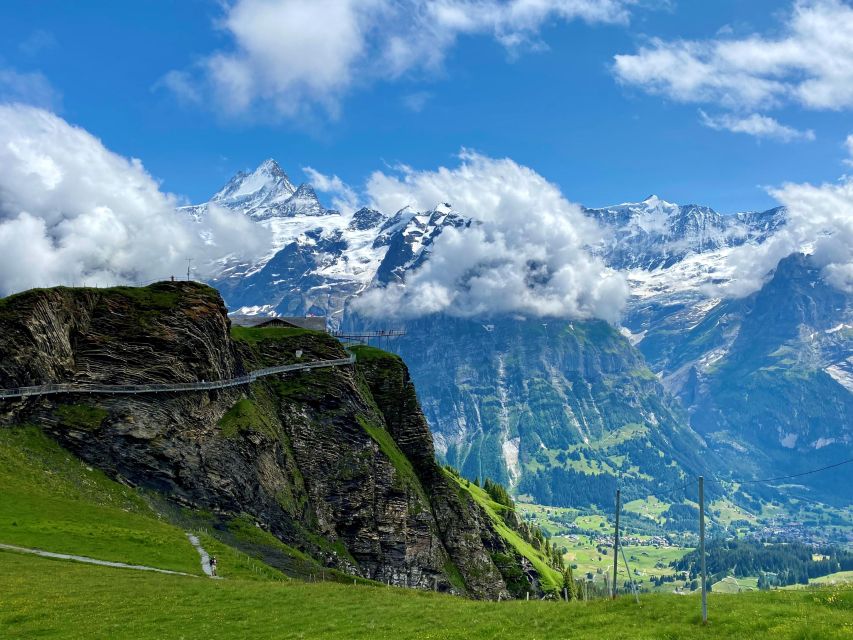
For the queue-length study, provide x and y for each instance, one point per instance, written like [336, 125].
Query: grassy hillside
[551, 580]
[50, 500]
[52, 599]
[54, 502]
[841, 577]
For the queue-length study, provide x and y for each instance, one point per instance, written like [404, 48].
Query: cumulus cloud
[526, 253]
[809, 63]
[819, 222]
[290, 56]
[71, 211]
[756, 125]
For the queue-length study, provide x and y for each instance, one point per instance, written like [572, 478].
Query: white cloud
[290, 56]
[756, 125]
[809, 63]
[527, 253]
[30, 88]
[344, 198]
[71, 211]
[819, 222]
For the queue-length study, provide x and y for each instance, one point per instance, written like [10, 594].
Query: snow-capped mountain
[408, 237]
[715, 355]
[766, 379]
[673, 250]
[320, 258]
[263, 194]
[655, 234]
[266, 186]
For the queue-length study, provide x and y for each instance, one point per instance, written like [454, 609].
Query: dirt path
[103, 563]
[194, 541]
[205, 558]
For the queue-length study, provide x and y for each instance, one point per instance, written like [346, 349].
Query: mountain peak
[266, 183]
[366, 218]
[305, 190]
[270, 166]
[656, 202]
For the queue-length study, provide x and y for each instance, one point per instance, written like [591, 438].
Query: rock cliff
[337, 462]
[545, 406]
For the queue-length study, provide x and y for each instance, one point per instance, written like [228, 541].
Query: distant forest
[786, 563]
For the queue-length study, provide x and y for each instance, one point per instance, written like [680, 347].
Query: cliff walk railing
[45, 389]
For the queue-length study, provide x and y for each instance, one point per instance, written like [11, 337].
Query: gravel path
[205, 558]
[194, 541]
[103, 563]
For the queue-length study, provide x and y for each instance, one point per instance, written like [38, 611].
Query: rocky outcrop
[468, 536]
[338, 461]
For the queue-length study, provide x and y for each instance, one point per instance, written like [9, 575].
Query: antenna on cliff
[189, 267]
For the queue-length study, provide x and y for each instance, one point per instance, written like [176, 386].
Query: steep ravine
[338, 462]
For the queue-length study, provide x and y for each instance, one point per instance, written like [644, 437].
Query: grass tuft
[255, 335]
[245, 416]
[81, 416]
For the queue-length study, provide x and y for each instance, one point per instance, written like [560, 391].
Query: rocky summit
[337, 461]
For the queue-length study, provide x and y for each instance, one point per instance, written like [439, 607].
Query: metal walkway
[46, 389]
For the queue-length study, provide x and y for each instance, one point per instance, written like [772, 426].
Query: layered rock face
[336, 461]
[545, 405]
[768, 378]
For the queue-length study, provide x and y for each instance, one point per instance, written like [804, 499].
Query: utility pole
[702, 549]
[189, 266]
[616, 543]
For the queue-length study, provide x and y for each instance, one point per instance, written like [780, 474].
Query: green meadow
[55, 599]
[52, 501]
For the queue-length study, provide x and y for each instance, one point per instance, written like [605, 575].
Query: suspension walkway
[46, 389]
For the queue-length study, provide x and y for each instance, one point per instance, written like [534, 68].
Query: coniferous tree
[569, 584]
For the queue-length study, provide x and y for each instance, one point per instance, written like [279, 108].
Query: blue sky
[554, 102]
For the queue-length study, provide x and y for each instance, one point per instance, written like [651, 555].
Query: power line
[672, 492]
[793, 475]
[675, 490]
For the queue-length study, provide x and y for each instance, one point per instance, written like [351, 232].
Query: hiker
[213, 566]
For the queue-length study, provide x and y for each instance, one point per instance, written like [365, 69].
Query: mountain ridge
[674, 257]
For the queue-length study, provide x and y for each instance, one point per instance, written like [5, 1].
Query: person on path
[213, 566]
